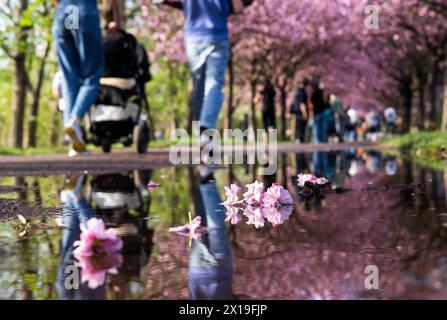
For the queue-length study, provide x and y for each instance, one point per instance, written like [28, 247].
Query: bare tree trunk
[433, 94]
[283, 99]
[112, 10]
[20, 80]
[444, 103]
[406, 103]
[19, 101]
[253, 105]
[32, 123]
[230, 93]
[54, 134]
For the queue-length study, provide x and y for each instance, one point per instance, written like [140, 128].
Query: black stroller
[121, 111]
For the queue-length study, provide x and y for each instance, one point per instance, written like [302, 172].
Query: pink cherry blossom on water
[310, 178]
[254, 194]
[277, 195]
[277, 215]
[192, 229]
[95, 268]
[255, 216]
[232, 195]
[153, 185]
[232, 213]
[97, 252]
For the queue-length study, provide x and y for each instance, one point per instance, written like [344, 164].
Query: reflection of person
[81, 59]
[76, 211]
[210, 264]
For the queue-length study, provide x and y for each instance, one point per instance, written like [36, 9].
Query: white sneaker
[73, 130]
[73, 153]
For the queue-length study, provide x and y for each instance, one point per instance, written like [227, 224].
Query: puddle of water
[397, 222]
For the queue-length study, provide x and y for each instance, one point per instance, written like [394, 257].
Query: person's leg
[316, 128]
[68, 62]
[324, 126]
[88, 42]
[196, 61]
[216, 65]
[298, 129]
[91, 59]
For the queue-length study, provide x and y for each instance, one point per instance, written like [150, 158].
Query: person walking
[321, 113]
[350, 131]
[390, 116]
[268, 106]
[340, 115]
[78, 41]
[301, 110]
[208, 51]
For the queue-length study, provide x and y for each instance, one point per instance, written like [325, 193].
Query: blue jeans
[208, 62]
[80, 54]
[320, 129]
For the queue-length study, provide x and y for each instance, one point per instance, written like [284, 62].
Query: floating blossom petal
[254, 194]
[97, 252]
[255, 216]
[192, 229]
[277, 216]
[277, 195]
[310, 178]
[153, 185]
[322, 181]
[232, 195]
[96, 240]
[232, 214]
[95, 268]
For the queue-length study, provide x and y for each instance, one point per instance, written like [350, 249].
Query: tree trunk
[32, 129]
[406, 103]
[433, 94]
[283, 98]
[253, 105]
[112, 10]
[54, 134]
[230, 93]
[417, 106]
[444, 103]
[19, 101]
[20, 80]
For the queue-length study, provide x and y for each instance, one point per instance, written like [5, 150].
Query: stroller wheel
[141, 137]
[106, 147]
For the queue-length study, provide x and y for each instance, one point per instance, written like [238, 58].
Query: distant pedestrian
[300, 108]
[350, 131]
[339, 114]
[390, 115]
[268, 105]
[373, 125]
[321, 114]
[81, 59]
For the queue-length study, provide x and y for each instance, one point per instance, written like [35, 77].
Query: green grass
[426, 148]
[10, 151]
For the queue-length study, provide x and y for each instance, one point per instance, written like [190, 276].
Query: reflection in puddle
[378, 211]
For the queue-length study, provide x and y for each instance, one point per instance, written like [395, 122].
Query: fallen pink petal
[192, 229]
[277, 195]
[310, 178]
[254, 194]
[232, 195]
[153, 185]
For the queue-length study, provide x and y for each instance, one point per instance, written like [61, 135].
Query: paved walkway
[128, 159]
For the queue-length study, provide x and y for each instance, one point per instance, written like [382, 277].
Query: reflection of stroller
[121, 110]
[123, 202]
